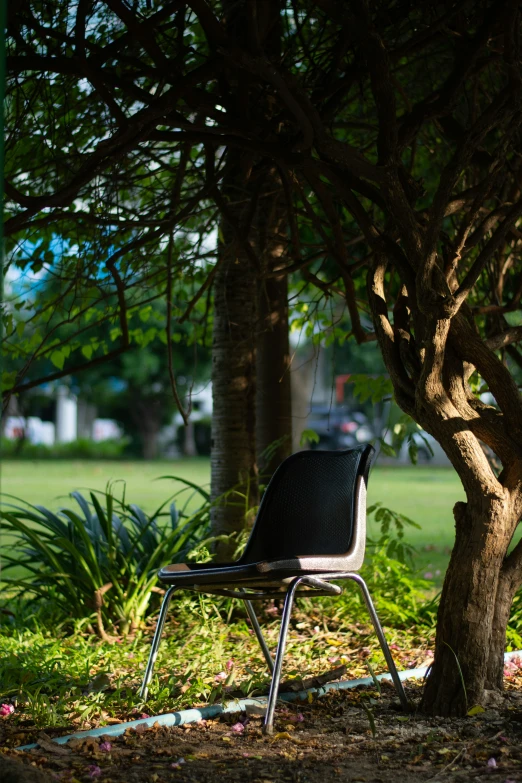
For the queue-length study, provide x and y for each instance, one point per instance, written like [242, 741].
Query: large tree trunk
[234, 482]
[274, 396]
[431, 386]
[234, 486]
[471, 631]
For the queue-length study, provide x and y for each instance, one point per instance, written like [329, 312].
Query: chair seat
[205, 573]
[263, 574]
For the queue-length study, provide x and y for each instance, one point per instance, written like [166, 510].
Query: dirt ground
[346, 736]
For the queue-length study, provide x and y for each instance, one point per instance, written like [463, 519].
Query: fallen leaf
[287, 736]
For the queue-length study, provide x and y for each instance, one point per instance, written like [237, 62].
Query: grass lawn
[422, 493]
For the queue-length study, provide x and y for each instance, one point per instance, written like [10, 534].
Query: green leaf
[58, 359]
[476, 710]
[412, 450]
[368, 387]
[387, 449]
[87, 351]
[145, 313]
[308, 436]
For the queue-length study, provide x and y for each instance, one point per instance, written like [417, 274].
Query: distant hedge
[82, 448]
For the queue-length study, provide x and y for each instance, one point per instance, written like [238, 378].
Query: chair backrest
[309, 506]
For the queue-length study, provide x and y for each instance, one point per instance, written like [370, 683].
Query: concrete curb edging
[237, 705]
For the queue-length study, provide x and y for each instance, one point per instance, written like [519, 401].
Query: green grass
[427, 496]
[59, 678]
[48, 482]
[422, 493]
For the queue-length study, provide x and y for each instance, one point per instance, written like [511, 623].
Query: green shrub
[100, 560]
[83, 448]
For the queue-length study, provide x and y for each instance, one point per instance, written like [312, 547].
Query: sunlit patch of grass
[58, 678]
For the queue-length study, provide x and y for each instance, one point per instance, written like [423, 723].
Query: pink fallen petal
[144, 716]
[229, 664]
[177, 764]
[94, 771]
[492, 763]
[6, 709]
[220, 677]
[428, 575]
[299, 718]
[237, 727]
[106, 747]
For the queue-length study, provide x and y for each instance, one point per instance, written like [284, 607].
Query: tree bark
[274, 399]
[509, 582]
[233, 447]
[234, 481]
[274, 396]
[146, 414]
[470, 629]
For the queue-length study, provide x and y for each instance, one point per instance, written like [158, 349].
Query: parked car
[338, 427]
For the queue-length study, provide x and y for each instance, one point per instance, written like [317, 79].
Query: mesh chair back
[309, 506]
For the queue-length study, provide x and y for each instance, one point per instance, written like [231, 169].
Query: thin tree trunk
[147, 418]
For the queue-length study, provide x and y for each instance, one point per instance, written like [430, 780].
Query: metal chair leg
[274, 686]
[260, 638]
[156, 642]
[382, 639]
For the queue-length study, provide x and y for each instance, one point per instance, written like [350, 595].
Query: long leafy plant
[99, 560]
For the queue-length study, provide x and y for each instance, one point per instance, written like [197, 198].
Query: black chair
[310, 530]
